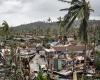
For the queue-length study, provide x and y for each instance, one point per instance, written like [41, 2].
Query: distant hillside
[35, 25]
[44, 26]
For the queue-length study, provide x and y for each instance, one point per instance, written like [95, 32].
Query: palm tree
[80, 11]
[60, 25]
[49, 19]
[5, 29]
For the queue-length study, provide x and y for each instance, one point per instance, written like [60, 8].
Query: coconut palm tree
[49, 19]
[5, 29]
[79, 10]
[59, 24]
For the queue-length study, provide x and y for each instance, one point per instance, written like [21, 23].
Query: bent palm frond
[80, 10]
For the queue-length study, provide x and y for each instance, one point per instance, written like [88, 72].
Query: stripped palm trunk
[94, 55]
[75, 75]
[85, 61]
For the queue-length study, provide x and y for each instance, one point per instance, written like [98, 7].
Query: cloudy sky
[17, 12]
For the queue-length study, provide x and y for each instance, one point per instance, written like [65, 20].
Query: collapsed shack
[15, 65]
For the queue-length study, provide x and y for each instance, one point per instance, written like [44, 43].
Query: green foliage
[80, 10]
[49, 20]
[4, 30]
[98, 34]
[98, 53]
[97, 60]
[40, 75]
[5, 27]
[61, 28]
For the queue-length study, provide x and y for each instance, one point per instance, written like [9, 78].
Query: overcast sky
[17, 12]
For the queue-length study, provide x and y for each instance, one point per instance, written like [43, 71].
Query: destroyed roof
[77, 47]
[53, 43]
[59, 48]
[49, 50]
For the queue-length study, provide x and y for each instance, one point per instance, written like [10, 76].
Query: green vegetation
[4, 30]
[40, 75]
[97, 60]
[79, 9]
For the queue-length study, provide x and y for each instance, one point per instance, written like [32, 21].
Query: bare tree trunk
[85, 60]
